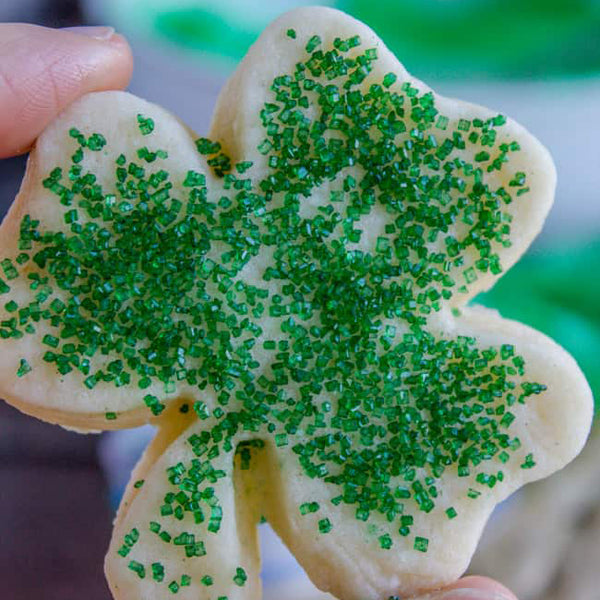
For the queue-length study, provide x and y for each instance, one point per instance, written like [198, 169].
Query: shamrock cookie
[287, 302]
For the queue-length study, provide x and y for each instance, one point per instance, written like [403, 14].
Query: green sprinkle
[464, 125]
[421, 544]
[309, 507]
[77, 156]
[96, 142]
[57, 305]
[207, 147]
[354, 42]
[389, 80]
[325, 525]
[110, 416]
[291, 33]
[154, 404]
[194, 179]
[240, 577]
[164, 535]
[451, 512]
[158, 572]
[529, 463]
[76, 134]
[146, 124]
[264, 147]
[9, 269]
[24, 368]
[201, 410]
[382, 245]
[71, 217]
[442, 122]
[518, 180]
[314, 41]
[137, 568]
[470, 275]
[50, 340]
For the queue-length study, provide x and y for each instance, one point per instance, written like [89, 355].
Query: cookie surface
[289, 307]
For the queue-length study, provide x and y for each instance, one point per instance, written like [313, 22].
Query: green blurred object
[488, 38]
[444, 38]
[198, 29]
[557, 292]
[516, 39]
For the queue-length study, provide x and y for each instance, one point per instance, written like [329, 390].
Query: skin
[41, 72]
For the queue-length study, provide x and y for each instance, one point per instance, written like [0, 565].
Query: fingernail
[465, 594]
[98, 33]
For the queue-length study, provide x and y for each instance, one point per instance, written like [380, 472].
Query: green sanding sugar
[325, 526]
[24, 368]
[147, 280]
[145, 124]
[421, 544]
[240, 577]
[158, 572]
[138, 569]
[451, 513]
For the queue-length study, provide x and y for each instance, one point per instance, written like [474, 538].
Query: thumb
[471, 588]
[43, 70]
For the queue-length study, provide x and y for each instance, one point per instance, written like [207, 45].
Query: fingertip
[43, 70]
[122, 61]
[471, 588]
[116, 72]
[483, 588]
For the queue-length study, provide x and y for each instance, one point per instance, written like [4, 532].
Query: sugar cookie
[288, 302]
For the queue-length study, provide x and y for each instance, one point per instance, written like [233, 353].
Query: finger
[472, 588]
[43, 70]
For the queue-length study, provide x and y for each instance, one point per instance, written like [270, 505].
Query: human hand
[471, 588]
[44, 70]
